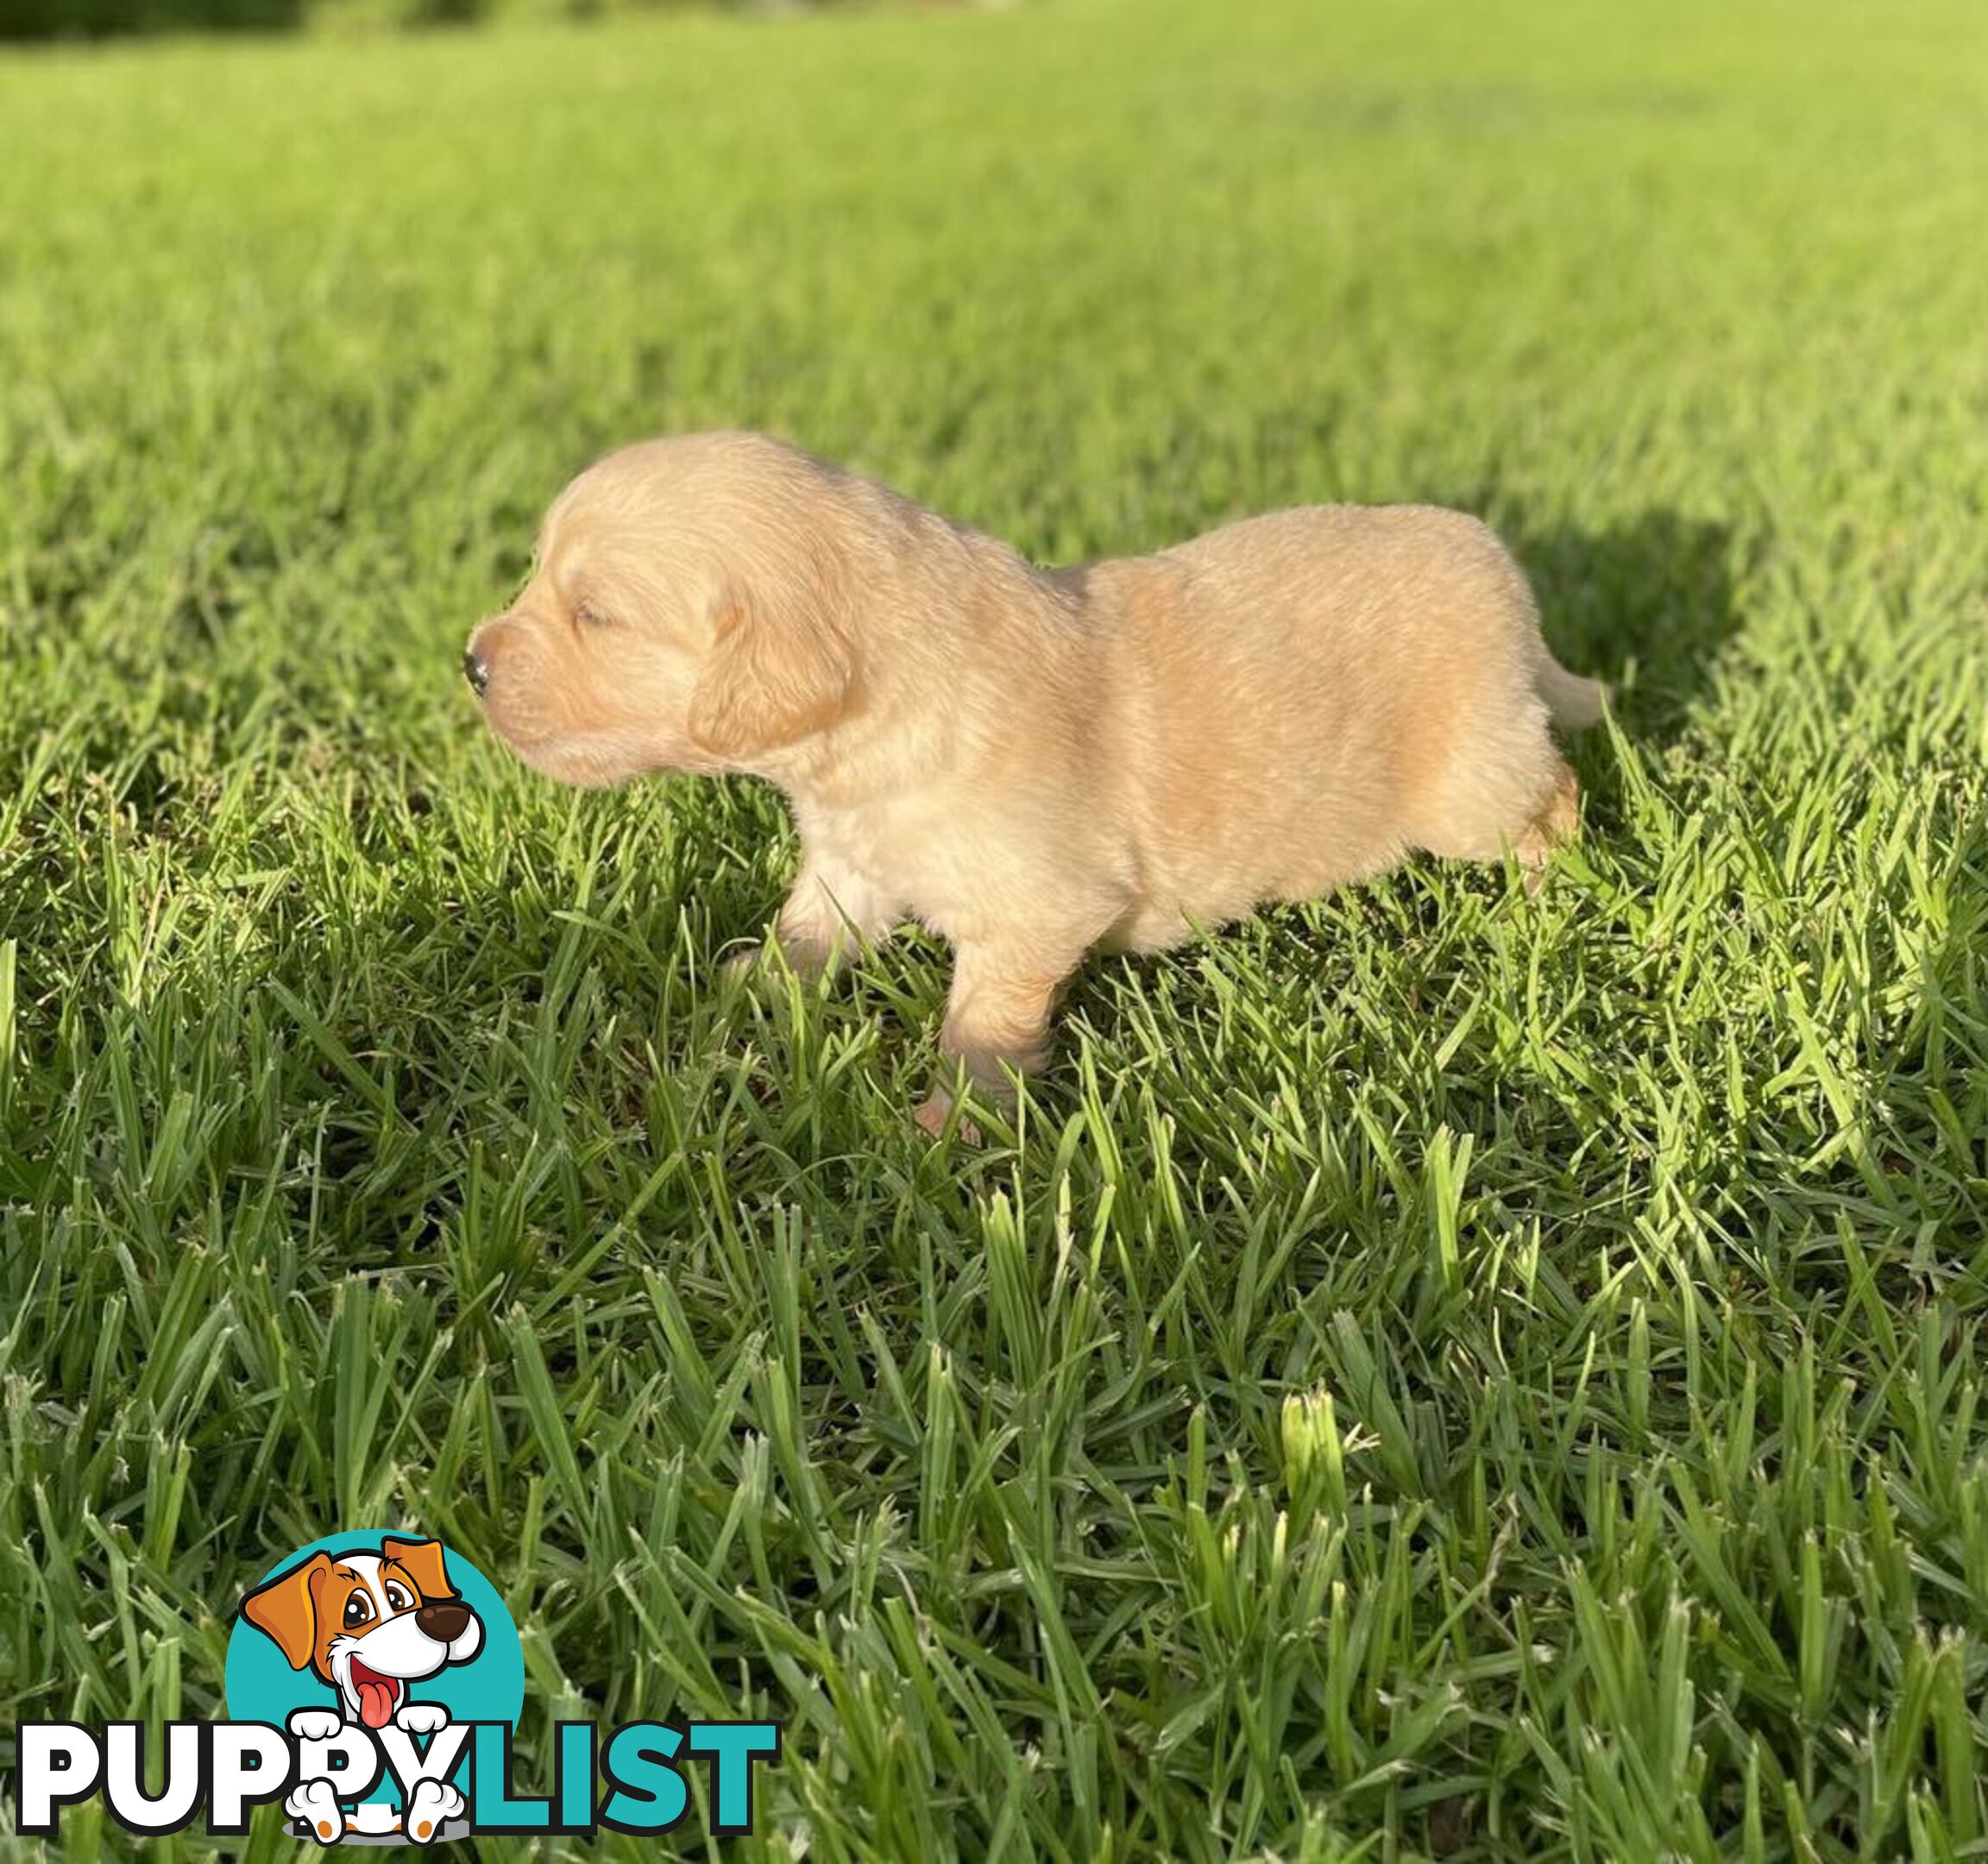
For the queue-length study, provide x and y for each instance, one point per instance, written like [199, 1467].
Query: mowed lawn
[1434, 1373]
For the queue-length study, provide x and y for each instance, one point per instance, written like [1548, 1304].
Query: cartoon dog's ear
[423, 1560]
[287, 1609]
[778, 672]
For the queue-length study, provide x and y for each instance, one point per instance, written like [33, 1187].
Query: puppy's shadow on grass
[1647, 606]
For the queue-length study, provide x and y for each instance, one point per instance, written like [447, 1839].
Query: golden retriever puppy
[1034, 763]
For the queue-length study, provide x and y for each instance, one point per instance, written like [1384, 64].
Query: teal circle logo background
[261, 1686]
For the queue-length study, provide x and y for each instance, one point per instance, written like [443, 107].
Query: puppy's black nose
[445, 1622]
[476, 672]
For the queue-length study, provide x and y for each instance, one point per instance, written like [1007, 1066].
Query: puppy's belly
[1151, 927]
[1191, 890]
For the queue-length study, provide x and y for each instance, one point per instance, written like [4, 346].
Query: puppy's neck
[937, 665]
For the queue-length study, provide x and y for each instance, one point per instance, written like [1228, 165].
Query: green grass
[1434, 1372]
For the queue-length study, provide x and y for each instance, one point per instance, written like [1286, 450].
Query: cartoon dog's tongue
[376, 1695]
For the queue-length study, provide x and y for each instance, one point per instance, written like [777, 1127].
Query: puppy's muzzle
[445, 1622]
[476, 671]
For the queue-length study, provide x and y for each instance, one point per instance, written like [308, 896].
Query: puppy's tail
[1574, 703]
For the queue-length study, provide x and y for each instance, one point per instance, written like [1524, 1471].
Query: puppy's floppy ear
[422, 1560]
[778, 672]
[287, 1609]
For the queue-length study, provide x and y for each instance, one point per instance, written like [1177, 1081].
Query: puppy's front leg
[997, 1019]
[832, 907]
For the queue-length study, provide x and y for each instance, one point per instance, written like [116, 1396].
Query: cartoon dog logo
[371, 1625]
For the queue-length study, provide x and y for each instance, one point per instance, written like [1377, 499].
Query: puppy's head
[368, 1624]
[688, 609]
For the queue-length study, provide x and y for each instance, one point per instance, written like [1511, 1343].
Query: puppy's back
[1387, 572]
[1289, 685]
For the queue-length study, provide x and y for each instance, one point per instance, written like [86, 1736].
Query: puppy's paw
[1558, 824]
[430, 1806]
[766, 967]
[421, 1718]
[935, 1110]
[314, 1804]
[314, 1724]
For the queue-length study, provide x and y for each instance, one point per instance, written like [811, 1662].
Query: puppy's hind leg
[1515, 794]
[1557, 822]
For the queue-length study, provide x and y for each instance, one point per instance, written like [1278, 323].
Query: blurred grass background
[73, 19]
[1436, 1374]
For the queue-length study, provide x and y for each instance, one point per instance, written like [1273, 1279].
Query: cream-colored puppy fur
[1034, 763]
